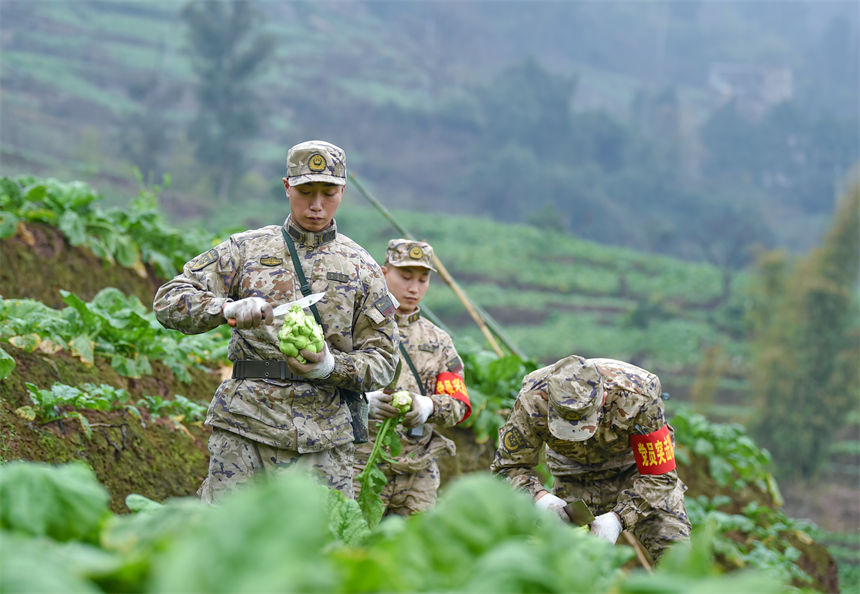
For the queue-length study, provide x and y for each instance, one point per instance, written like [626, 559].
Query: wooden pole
[494, 326]
[446, 276]
[443, 272]
[637, 547]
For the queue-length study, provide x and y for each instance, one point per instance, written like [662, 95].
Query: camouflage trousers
[664, 524]
[408, 493]
[235, 460]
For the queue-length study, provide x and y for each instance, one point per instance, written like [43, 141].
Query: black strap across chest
[304, 287]
[412, 367]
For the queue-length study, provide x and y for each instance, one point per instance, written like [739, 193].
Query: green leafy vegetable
[371, 478]
[7, 364]
[64, 503]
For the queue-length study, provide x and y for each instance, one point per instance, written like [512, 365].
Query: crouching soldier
[607, 443]
[432, 372]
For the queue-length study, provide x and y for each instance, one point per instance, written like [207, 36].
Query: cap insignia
[416, 253]
[316, 163]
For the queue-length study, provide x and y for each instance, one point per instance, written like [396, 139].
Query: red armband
[454, 386]
[654, 451]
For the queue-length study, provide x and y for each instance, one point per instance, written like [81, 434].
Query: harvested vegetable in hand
[372, 479]
[300, 331]
[402, 401]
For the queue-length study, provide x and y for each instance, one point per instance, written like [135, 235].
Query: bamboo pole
[640, 552]
[446, 276]
[494, 326]
[443, 272]
[428, 313]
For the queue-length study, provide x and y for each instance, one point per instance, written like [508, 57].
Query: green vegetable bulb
[300, 331]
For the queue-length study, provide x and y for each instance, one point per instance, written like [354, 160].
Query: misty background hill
[696, 129]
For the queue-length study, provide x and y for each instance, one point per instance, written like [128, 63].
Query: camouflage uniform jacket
[432, 352]
[357, 318]
[633, 405]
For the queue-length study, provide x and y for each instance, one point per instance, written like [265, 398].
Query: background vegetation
[666, 183]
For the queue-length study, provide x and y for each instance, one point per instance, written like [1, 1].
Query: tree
[227, 54]
[146, 132]
[531, 106]
[730, 239]
[806, 345]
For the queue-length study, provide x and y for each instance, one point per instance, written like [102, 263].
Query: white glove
[422, 408]
[554, 504]
[318, 366]
[249, 312]
[379, 405]
[607, 526]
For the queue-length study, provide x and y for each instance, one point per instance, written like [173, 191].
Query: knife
[285, 307]
[302, 303]
[579, 513]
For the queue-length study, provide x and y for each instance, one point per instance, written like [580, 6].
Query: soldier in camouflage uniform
[606, 440]
[275, 412]
[439, 397]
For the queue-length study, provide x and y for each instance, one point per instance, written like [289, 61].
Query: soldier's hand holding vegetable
[380, 406]
[301, 340]
[419, 412]
[249, 312]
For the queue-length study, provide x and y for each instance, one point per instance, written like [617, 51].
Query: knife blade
[579, 513]
[285, 307]
[302, 303]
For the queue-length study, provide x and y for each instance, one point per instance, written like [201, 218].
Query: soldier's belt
[260, 369]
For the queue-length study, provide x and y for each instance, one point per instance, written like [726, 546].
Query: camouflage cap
[407, 252]
[575, 399]
[316, 161]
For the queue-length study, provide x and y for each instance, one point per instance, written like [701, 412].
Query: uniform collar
[406, 319]
[310, 238]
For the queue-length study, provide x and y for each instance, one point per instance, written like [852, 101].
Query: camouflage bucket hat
[316, 161]
[575, 399]
[406, 252]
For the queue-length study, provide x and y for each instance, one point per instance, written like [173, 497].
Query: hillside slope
[409, 91]
[164, 455]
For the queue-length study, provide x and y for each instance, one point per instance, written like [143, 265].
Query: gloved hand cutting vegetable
[607, 526]
[249, 312]
[553, 503]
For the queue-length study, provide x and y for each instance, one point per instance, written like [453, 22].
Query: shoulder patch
[454, 364]
[271, 261]
[384, 305]
[205, 260]
[427, 348]
[337, 276]
[513, 440]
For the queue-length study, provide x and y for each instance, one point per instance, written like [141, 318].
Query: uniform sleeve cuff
[627, 515]
[215, 307]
